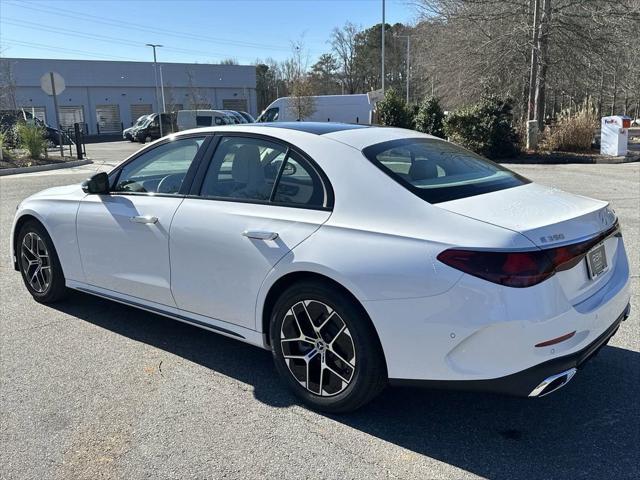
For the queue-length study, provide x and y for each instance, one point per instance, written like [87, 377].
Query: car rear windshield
[439, 171]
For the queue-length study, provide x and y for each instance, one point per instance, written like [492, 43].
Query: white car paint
[380, 242]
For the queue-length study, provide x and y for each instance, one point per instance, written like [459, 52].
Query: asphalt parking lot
[91, 389]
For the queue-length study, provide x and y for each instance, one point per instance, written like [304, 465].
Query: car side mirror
[98, 183]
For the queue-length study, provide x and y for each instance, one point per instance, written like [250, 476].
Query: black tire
[367, 379]
[56, 289]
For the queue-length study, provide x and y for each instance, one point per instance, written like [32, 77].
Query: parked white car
[326, 108]
[188, 119]
[358, 255]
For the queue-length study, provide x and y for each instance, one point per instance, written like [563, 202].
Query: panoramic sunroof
[319, 128]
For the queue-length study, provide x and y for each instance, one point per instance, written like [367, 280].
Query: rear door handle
[260, 235]
[144, 219]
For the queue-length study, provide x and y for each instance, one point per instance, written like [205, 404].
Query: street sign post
[53, 84]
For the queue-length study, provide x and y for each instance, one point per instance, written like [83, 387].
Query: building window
[108, 118]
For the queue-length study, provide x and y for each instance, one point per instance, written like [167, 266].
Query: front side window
[439, 171]
[270, 115]
[159, 170]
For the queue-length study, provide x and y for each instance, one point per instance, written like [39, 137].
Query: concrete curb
[44, 168]
[568, 160]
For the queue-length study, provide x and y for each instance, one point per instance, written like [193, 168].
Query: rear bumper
[524, 382]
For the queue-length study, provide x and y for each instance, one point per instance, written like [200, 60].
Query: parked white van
[188, 119]
[328, 108]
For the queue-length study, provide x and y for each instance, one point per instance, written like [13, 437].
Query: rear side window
[299, 184]
[256, 169]
[203, 120]
[243, 168]
[439, 171]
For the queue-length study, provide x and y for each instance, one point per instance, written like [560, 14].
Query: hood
[71, 191]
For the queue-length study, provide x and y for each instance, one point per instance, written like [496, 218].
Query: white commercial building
[108, 96]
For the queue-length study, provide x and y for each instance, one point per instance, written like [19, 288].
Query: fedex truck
[326, 108]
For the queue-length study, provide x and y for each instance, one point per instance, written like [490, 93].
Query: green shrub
[572, 132]
[393, 111]
[32, 139]
[485, 128]
[430, 117]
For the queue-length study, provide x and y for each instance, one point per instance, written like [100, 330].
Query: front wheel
[39, 264]
[326, 349]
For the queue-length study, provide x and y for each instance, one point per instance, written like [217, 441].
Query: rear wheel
[39, 264]
[325, 348]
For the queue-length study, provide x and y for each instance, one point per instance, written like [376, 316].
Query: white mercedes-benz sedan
[360, 256]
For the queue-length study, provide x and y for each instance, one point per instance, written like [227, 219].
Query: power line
[42, 46]
[101, 38]
[137, 27]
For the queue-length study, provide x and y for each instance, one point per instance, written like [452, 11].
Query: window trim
[197, 184]
[188, 179]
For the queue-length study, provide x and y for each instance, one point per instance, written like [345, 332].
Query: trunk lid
[549, 218]
[546, 216]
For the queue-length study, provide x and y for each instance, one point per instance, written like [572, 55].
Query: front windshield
[438, 171]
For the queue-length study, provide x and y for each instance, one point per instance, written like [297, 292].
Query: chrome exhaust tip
[553, 383]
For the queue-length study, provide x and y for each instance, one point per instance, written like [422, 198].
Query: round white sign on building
[58, 82]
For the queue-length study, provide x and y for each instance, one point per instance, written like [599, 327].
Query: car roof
[357, 136]
[317, 128]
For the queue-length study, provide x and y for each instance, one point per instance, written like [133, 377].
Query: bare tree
[7, 86]
[302, 104]
[197, 97]
[344, 46]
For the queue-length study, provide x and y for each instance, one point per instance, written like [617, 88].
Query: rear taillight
[512, 269]
[521, 269]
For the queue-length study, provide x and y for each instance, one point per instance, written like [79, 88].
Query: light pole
[155, 74]
[383, 46]
[164, 107]
[408, 37]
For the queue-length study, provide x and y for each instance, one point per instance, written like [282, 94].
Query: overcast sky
[191, 30]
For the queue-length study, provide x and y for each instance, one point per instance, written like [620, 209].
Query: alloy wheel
[36, 263]
[318, 348]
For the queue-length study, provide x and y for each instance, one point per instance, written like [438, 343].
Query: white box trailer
[327, 108]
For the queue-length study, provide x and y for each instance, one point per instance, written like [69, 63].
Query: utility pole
[383, 21]
[534, 61]
[164, 107]
[532, 125]
[408, 37]
[155, 73]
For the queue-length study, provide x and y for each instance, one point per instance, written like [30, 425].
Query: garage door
[140, 109]
[238, 104]
[108, 118]
[70, 115]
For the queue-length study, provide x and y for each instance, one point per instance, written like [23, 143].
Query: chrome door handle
[260, 235]
[144, 219]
